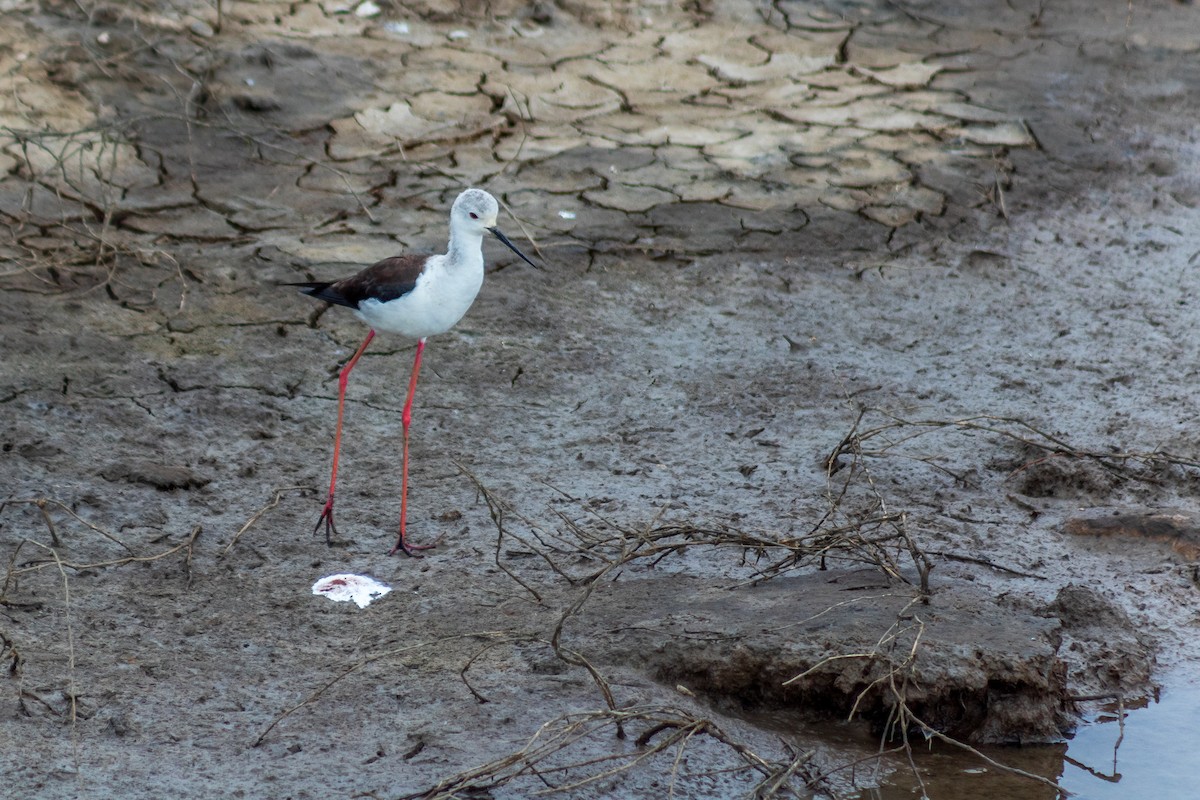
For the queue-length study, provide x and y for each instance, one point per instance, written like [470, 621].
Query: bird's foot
[402, 546]
[327, 518]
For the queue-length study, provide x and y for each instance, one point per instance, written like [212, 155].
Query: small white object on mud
[362, 589]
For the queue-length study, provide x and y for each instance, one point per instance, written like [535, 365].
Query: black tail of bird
[322, 290]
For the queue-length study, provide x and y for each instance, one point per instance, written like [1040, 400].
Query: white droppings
[400, 28]
[362, 589]
[567, 214]
[367, 9]
[459, 34]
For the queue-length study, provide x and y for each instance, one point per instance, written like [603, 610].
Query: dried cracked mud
[858, 382]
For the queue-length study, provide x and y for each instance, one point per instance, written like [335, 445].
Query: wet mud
[858, 384]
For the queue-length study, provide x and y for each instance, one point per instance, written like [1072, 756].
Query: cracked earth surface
[758, 221]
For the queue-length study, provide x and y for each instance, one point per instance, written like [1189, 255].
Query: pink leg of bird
[343, 379]
[406, 419]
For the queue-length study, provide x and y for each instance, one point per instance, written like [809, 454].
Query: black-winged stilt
[416, 296]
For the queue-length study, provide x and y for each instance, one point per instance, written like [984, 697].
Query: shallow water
[1156, 758]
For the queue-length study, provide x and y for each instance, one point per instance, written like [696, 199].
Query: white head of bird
[475, 212]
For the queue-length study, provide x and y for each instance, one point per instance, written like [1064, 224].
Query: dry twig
[353, 668]
[666, 729]
[42, 502]
[34, 566]
[275, 501]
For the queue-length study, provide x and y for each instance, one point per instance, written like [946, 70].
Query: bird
[416, 296]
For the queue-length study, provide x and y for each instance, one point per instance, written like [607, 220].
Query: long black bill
[496, 232]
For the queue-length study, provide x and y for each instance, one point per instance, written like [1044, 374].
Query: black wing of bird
[384, 280]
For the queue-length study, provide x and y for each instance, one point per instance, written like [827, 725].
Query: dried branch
[42, 502]
[275, 501]
[542, 757]
[1012, 428]
[35, 566]
[9, 652]
[357, 666]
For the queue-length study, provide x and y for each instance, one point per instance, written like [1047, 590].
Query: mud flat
[860, 384]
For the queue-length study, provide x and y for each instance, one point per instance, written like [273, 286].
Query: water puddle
[1154, 756]
[1157, 756]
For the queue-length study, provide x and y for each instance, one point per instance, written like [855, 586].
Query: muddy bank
[819, 645]
[835, 295]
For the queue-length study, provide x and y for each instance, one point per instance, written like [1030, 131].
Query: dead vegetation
[893, 432]
[68, 233]
[873, 535]
[53, 558]
[546, 765]
[565, 755]
[587, 749]
[68, 704]
[618, 741]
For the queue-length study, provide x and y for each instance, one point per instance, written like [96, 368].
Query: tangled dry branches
[665, 734]
[887, 439]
